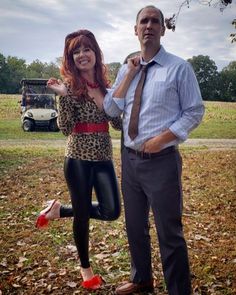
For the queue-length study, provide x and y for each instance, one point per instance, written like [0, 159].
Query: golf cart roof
[33, 82]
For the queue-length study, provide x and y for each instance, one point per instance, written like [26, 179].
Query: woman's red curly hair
[69, 71]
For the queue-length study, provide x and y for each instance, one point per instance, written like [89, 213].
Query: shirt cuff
[111, 106]
[120, 102]
[179, 132]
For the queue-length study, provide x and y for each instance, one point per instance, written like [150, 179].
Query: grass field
[219, 122]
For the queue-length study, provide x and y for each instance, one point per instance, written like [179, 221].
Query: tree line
[215, 85]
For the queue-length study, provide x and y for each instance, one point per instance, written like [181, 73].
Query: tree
[227, 82]
[16, 71]
[37, 69]
[230, 67]
[59, 61]
[51, 70]
[4, 74]
[207, 75]
[13, 70]
[113, 69]
[233, 35]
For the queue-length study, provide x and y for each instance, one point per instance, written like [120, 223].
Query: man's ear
[135, 30]
[163, 30]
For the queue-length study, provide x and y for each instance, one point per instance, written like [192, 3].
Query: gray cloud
[36, 29]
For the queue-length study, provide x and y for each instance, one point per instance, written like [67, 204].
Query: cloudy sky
[36, 29]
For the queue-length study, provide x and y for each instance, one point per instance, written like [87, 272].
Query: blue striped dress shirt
[171, 99]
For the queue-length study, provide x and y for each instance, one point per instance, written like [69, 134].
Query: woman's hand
[57, 86]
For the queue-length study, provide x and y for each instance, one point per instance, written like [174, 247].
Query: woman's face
[84, 58]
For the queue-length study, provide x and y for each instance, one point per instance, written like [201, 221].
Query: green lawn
[219, 122]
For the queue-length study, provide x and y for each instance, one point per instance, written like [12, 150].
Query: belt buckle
[139, 153]
[144, 155]
[148, 156]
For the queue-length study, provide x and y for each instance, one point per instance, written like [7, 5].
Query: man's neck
[148, 53]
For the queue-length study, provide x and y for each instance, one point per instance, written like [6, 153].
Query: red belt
[91, 127]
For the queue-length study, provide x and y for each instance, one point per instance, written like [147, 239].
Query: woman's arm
[66, 115]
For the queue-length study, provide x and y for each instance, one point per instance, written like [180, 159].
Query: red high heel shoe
[42, 221]
[94, 283]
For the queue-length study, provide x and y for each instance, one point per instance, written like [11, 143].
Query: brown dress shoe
[129, 288]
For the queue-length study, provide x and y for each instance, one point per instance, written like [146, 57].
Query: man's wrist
[130, 75]
[165, 137]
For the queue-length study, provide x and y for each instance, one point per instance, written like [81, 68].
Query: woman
[88, 154]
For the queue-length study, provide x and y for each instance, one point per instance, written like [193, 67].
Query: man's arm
[114, 100]
[191, 104]
[133, 67]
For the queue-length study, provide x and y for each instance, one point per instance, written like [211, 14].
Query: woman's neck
[90, 81]
[88, 76]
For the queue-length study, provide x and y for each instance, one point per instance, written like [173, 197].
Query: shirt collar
[159, 58]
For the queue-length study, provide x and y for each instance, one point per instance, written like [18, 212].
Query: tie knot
[147, 66]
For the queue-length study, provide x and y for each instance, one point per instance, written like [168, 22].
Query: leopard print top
[85, 146]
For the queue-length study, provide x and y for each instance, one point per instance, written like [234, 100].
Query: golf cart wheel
[28, 125]
[53, 126]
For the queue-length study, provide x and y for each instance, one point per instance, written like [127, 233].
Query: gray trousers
[156, 183]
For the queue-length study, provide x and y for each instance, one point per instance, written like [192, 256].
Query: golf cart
[38, 106]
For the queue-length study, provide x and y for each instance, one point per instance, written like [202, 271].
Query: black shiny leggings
[81, 177]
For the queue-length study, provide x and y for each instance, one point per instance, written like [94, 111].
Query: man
[171, 106]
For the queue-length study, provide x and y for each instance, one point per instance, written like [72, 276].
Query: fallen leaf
[71, 284]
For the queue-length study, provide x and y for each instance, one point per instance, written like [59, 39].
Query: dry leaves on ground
[45, 262]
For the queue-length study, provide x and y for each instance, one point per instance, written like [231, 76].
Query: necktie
[134, 117]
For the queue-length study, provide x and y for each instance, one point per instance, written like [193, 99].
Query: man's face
[149, 27]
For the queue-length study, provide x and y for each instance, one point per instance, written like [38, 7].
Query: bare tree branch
[171, 22]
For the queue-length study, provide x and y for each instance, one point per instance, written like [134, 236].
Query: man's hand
[57, 86]
[156, 144]
[152, 145]
[133, 65]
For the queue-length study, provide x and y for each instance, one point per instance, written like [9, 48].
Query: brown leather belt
[143, 155]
